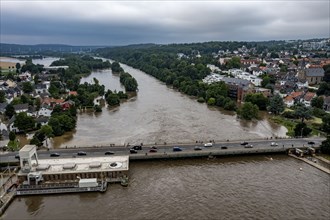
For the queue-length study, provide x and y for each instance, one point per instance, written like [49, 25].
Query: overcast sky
[131, 22]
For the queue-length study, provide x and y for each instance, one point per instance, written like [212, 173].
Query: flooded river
[254, 187]
[158, 114]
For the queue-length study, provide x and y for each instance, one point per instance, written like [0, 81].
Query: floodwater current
[247, 187]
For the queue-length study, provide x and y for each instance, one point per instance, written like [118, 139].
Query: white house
[45, 112]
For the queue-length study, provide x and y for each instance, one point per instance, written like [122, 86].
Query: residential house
[297, 96]
[41, 88]
[45, 111]
[73, 93]
[289, 101]
[308, 98]
[3, 107]
[21, 108]
[43, 120]
[11, 126]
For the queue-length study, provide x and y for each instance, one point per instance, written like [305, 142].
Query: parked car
[54, 154]
[273, 144]
[137, 147]
[153, 147]
[208, 145]
[177, 149]
[244, 143]
[17, 156]
[224, 147]
[152, 150]
[81, 153]
[132, 151]
[248, 146]
[198, 148]
[311, 142]
[109, 153]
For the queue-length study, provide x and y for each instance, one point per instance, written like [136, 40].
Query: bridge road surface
[7, 157]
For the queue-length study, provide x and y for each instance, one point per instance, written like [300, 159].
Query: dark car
[17, 156]
[244, 143]
[152, 150]
[224, 147]
[54, 154]
[132, 151]
[137, 147]
[177, 149]
[154, 147]
[197, 148]
[109, 153]
[311, 142]
[81, 153]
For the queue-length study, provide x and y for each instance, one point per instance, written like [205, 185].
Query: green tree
[24, 122]
[258, 99]
[113, 99]
[12, 136]
[276, 104]
[326, 123]
[325, 146]
[18, 67]
[211, 101]
[302, 112]
[301, 130]
[248, 111]
[56, 126]
[27, 87]
[317, 102]
[115, 67]
[229, 105]
[2, 96]
[10, 111]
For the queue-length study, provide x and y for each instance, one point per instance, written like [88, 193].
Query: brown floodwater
[158, 114]
[247, 187]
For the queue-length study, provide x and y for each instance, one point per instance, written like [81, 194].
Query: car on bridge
[152, 150]
[177, 149]
[248, 146]
[244, 143]
[109, 153]
[208, 144]
[137, 147]
[54, 154]
[224, 147]
[81, 153]
[133, 151]
[198, 148]
[273, 144]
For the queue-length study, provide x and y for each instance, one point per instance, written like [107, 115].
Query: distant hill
[17, 49]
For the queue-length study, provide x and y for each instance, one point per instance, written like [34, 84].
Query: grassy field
[290, 124]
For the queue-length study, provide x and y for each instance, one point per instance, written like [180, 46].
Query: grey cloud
[106, 23]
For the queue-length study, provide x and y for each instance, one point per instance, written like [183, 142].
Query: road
[6, 157]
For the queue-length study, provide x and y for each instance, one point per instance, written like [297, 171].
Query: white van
[208, 145]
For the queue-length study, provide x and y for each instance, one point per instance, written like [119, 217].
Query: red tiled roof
[296, 94]
[289, 98]
[309, 95]
[73, 93]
